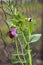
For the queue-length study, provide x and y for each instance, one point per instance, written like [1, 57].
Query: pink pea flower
[13, 33]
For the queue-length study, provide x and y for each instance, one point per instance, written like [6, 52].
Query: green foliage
[35, 37]
[18, 59]
[25, 37]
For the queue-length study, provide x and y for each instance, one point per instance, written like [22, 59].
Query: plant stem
[21, 47]
[17, 52]
[24, 37]
[29, 55]
[29, 52]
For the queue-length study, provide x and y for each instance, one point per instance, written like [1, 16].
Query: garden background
[29, 8]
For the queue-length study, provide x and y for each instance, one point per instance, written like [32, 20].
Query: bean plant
[20, 31]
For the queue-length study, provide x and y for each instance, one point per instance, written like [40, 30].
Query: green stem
[29, 31]
[17, 52]
[29, 55]
[29, 52]
[24, 37]
[21, 48]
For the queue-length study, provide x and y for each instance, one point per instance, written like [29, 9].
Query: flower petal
[13, 29]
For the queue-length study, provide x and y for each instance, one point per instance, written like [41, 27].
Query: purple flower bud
[13, 29]
[12, 33]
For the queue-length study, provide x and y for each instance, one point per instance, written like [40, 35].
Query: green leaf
[7, 8]
[35, 37]
[16, 54]
[9, 22]
[18, 61]
[16, 57]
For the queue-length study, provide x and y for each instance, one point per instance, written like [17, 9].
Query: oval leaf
[35, 37]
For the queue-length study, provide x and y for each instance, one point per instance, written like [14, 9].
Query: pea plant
[20, 31]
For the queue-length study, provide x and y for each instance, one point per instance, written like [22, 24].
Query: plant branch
[21, 47]
[29, 51]
[17, 52]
